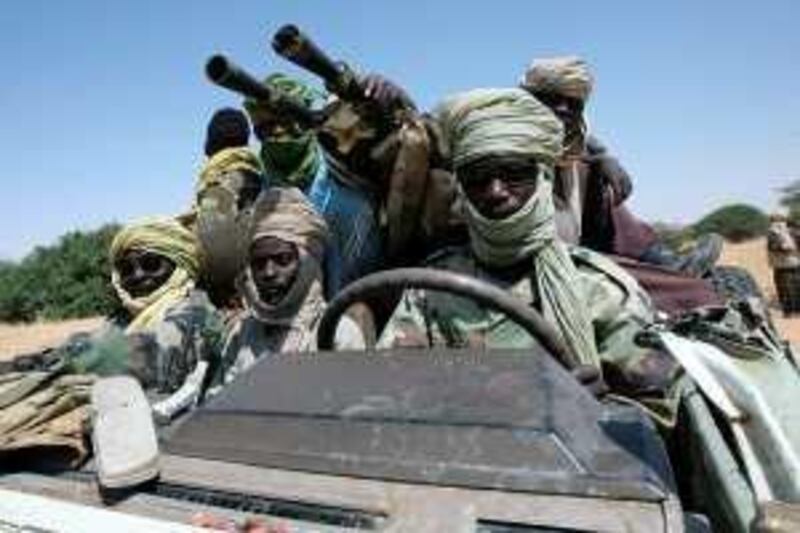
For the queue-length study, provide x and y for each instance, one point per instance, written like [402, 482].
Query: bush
[737, 222]
[67, 280]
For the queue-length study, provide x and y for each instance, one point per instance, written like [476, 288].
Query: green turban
[501, 122]
[285, 85]
[289, 160]
[568, 76]
[166, 237]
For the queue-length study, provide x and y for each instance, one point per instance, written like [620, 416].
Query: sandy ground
[16, 339]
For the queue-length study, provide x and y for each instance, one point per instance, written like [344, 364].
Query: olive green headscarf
[166, 237]
[289, 161]
[510, 122]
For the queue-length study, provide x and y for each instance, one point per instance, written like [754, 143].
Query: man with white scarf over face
[282, 284]
[504, 144]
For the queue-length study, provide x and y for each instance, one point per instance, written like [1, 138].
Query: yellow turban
[166, 237]
[227, 160]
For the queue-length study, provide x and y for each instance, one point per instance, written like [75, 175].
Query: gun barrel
[225, 73]
[289, 42]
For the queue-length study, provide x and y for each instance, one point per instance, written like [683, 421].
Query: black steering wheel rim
[453, 283]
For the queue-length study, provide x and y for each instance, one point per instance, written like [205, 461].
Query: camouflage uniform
[618, 308]
[44, 405]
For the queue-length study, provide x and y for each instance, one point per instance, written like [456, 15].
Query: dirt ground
[19, 339]
[16, 339]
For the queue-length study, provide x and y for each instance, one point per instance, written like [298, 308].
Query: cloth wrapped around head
[567, 76]
[487, 123]
[168, 238]
[499, 122]
[285, 85]
[239, 158]
[290, 160]
[286, 214]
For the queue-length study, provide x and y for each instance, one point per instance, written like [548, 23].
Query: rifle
[225, 73]
[339, 78]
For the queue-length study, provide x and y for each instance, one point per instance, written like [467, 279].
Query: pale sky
[105, 103]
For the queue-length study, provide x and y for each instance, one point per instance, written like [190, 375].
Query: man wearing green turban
[290, 154]
[503, 145]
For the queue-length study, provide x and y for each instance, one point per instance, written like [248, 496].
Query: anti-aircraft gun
[225, 73]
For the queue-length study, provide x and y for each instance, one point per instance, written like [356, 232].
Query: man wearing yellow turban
[174, 334]
[228, 183]
[503, 145]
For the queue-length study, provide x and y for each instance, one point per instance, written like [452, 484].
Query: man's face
[568, 110]
[272, 127]
[142, 272]
[274, 264]
[497, 187]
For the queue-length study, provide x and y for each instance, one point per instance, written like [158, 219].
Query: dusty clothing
[227, 185]
[43, 414]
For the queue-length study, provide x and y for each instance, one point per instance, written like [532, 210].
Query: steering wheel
[384, 282]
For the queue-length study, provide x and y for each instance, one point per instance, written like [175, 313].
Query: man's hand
[385, 93]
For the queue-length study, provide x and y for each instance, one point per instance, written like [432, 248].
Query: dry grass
[26, 338]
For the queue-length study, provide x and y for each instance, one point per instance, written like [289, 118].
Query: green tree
[736, 222]
[66, 280]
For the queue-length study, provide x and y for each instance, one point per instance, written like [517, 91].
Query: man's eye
[150, 263]
[285, 259]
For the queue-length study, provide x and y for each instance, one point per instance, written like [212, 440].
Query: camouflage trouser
[42, 412]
